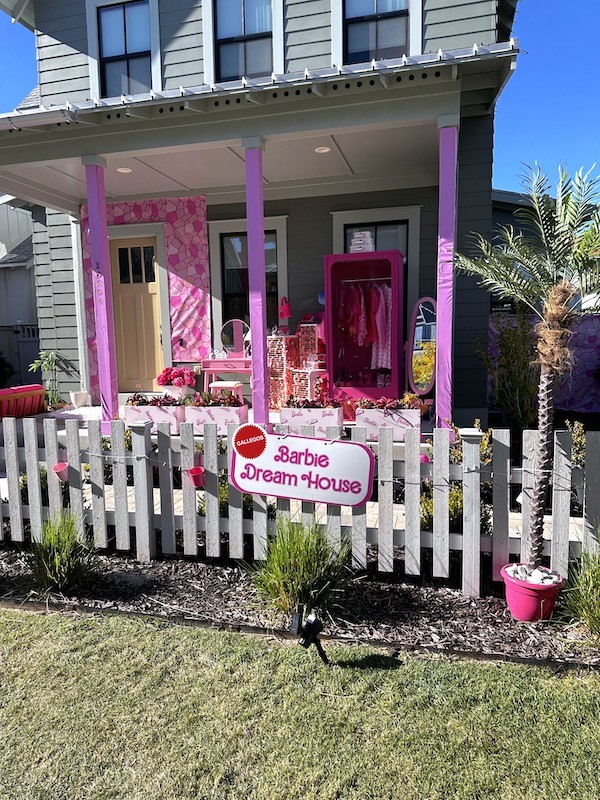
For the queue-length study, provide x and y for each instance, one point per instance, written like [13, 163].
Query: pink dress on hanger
[381, 326]
[362, 319]
[372, 306]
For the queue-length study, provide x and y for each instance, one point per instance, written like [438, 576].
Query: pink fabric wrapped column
[257, 283]
[102, 288]
[448, 151]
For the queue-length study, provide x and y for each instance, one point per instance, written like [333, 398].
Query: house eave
[21, 11]
[255, 91]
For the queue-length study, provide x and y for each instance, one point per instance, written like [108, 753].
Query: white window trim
[208, 39]
[157, 229]
[415, 32]
[412, 214]
[215, 229]
[91, 7]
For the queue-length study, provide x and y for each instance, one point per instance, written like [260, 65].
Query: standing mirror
[235, 337]
[422, 346]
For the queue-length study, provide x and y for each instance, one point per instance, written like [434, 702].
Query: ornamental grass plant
[582, 597]
[60, 561]
[302, 570]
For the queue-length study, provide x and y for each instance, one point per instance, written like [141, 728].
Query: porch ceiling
[357, 160]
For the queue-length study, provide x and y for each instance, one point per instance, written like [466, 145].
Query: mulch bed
[386, 613]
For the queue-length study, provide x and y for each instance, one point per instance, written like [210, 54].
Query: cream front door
[136, 304]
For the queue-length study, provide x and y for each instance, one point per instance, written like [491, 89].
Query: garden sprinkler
[309, 634]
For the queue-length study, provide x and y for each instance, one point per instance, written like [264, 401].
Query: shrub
[582, 596]
[301, 569]
[456, 510]
[60, 561]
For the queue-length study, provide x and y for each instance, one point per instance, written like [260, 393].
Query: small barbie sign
[300, 468]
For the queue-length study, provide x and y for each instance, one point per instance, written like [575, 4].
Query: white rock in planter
[537, 576]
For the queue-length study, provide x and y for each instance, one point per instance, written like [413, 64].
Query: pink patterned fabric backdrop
[580, 389]
[186, 246]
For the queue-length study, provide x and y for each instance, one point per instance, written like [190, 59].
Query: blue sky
[549, 112]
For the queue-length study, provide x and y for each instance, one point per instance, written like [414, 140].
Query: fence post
[412, 501]
[561, 502]
[211, 491]
[54, 484]
[74, 461]
[96, 458]
[236, 512]
[441, 503]
[34, 488]
[190, 507]
[385, 499]
[141, 447]
[334, 513]
[471, 438]
[119, 457]
[165, 483]
[359, 516]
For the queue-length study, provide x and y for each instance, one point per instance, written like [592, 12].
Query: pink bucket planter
[374, 418]
[61, 470]
[321, 418]
[196, 475]
[530, 602]
[174, 415]
[222, 415]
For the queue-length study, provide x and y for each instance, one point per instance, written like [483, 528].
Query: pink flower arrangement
[176, 376]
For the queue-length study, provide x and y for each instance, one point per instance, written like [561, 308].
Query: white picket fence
[128, 514]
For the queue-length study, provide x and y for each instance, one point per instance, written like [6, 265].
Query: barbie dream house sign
[300, 468]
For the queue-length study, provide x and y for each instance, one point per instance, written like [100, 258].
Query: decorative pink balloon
[424, 459]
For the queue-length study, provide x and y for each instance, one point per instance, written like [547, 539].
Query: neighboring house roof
[21, 11]
[20, 256]
[509, 200]
[31, 101]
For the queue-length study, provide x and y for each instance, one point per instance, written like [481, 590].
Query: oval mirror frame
[420, 391]
[237, 342]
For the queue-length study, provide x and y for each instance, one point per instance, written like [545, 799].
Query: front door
[136, 303]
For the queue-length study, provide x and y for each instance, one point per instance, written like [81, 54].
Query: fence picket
[120, 493]
[54, 484]
[501, 501]
[211, 490]
[471, 513]
[283, 503]
[165, 484]
[334, 518]
[190, 511]
[359, 516]
[11, 458]
[385, 498]
[441, 503]
[412, 502]
[561, 502]
[34, 486]
[96, 456]
[259, 527]
[2, 496]
[529, 438]
[591, 511]
[236, 509]
[308, 509]
[75, 482]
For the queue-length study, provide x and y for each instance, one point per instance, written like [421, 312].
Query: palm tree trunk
[543, 465]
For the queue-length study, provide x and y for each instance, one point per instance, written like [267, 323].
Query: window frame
[93, 35]
[126, 56]
[402, 13]
[228, 226]
[373, 216]
[209, 40]
[338, 26]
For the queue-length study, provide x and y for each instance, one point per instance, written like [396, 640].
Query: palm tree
[549, 268]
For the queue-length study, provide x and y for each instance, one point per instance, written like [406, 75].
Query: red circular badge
[250, 441]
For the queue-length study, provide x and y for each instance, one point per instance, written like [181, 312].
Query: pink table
[213, 367]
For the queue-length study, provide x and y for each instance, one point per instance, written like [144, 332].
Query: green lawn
[115, 708]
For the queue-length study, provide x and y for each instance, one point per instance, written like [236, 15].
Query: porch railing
[135, 496]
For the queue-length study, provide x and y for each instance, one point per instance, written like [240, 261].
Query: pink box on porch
[321, 418]
[174, 415]
[374, 418]
[222, 415]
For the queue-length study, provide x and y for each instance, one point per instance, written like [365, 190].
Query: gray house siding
[61, 43]
[55, 289]
[450, 24]
[472, 303]
[181, 43]
[307, 34]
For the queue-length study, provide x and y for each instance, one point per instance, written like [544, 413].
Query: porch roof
[379, 122]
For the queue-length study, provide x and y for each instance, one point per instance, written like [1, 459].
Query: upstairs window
[125, 50]
[375, 29]
[244, 39]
